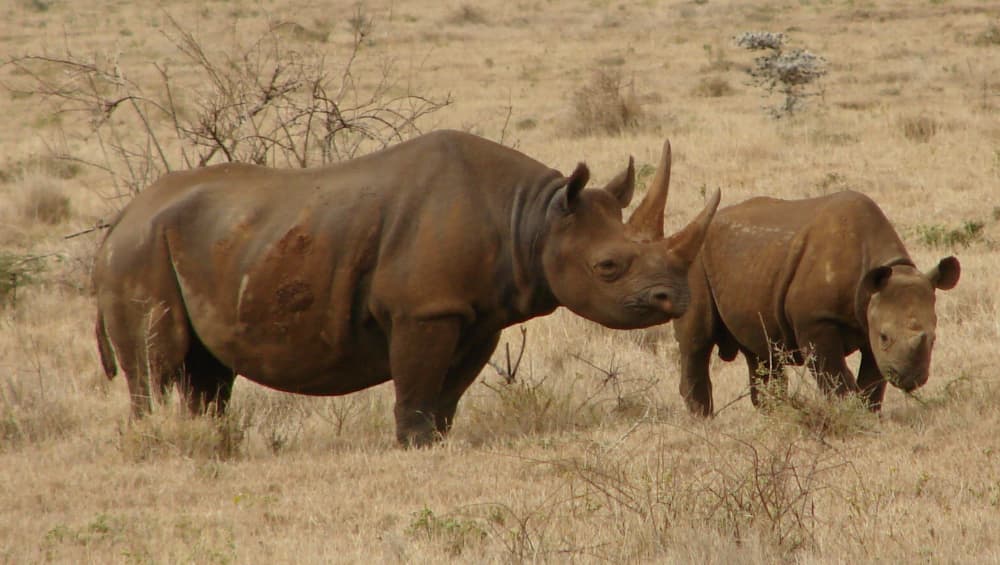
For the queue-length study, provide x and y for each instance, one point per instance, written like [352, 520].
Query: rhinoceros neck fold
[531, 294]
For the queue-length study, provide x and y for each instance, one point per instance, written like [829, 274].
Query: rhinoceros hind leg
[458, 380]
[207, 383]
[420, 354]
[150, 339]
[871, 382]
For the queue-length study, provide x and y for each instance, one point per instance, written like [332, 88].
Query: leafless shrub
[713, 87]
[919, 128]
[356, 413]
[263, 101]
[525, 530]
[790, 73]
[48, 165]
[606, 105]
[509, 371]
[279, 419]
[631, 395]
[468, 14]
[45, 202]
[530, 406]
[756, 488]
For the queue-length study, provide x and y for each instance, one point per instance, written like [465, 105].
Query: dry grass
[589, 456]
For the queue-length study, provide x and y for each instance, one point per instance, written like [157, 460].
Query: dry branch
[262, 102]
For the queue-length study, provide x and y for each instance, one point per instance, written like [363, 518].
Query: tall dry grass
[589, 454]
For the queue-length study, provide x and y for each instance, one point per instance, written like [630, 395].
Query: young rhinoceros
[825, 275]
[402, 265]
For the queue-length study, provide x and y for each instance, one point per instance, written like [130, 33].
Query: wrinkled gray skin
[402, 265]
[826, 275]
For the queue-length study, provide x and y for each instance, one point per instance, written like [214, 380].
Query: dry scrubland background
[590, 455]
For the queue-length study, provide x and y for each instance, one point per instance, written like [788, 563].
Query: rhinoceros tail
[104, 347]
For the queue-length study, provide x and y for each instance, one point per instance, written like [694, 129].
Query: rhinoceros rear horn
[646, 223]
[686, 243]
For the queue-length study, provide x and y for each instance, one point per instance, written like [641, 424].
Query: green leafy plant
[937, 235]
[16, 272]
[454, 532]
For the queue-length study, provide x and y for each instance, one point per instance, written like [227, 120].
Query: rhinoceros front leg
[459, 378]
[420, 354]
[825, 343]
[206, 382]
[696, 384]
[870, 381]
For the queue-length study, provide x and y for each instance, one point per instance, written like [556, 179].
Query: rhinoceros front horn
[646, 223]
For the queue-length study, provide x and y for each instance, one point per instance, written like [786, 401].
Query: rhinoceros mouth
[905, 381]
[640, 306]
[638, 302]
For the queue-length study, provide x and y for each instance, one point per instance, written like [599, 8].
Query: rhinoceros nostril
[661, 296]
[918, 340]
[661, 299]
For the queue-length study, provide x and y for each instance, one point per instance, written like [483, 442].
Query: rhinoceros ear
[945, 275]
[876, 279]
[622, 186]
[574, 184]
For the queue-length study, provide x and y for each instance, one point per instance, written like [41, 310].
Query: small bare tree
[265, 102]
[790, 72]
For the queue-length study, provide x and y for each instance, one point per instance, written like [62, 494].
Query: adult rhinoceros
[822, 276]
[404, 264]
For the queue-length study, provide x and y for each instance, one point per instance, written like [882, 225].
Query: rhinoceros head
[901, 318]
[621, 275]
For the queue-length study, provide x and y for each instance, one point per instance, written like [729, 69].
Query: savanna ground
[589, 455]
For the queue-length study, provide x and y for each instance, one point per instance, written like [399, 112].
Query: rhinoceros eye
[608, 269]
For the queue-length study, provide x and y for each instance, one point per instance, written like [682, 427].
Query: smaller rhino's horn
[687, 243]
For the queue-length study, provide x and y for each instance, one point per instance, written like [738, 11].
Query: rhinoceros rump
[826, 276]
[404, 264]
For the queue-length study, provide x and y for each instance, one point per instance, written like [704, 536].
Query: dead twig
[509, 372]
[100, 226]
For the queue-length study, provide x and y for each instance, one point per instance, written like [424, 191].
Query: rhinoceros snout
[665, 299]
[909, 379]
[912, 384]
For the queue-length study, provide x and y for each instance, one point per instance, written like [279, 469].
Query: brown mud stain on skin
[294, 296]
[222, 251]
[295, 241]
